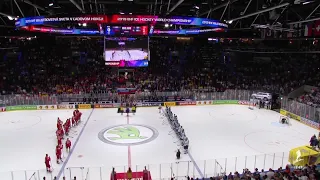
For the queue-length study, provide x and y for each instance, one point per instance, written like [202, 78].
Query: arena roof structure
[239, 14]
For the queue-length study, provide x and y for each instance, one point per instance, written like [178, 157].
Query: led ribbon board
[37, 23]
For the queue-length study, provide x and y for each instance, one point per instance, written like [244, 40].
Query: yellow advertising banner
[290, 115]
[169, 103]
[84, 106]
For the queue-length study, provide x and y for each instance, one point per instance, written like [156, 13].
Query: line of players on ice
[63, 129]
[177, 128]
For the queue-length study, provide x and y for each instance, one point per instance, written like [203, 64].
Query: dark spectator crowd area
[64, 65]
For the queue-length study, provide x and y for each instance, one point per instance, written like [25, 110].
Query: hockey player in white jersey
[186, 145]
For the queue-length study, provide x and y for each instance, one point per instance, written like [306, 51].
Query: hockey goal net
[284, 120]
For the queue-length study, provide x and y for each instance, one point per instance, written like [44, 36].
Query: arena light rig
[112, 25]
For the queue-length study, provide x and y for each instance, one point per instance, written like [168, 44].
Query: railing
[12, 100]
[179, 170]
[295, 107]
[300, 109]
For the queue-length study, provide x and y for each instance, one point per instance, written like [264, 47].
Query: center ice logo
[129, 134]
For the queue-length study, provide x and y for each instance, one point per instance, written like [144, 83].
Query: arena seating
[312, 99]
[288, 173]
[73, 65]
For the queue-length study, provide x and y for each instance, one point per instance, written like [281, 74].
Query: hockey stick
[33, 175]
[73, 134]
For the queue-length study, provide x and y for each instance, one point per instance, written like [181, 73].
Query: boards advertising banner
[243, 102]
[103, 106]
[139, 104]
[290, 115]
[135, 175]
[283, 112]
[225, 102]
[150, 104]
[22, 107]
[204, 102]
[47, 107]
[310, 123]
[84, 106]
[169, 103]
[187, 103]
[66, 106]
[293, 116]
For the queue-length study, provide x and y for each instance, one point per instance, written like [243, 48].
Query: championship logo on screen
[128, 135]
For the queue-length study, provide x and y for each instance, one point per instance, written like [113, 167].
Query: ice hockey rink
[222, 138]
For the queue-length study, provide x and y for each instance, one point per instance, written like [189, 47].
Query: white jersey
[186, 142]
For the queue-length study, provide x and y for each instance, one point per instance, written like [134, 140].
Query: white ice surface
[222, 137]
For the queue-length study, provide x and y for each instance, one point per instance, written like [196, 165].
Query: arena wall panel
[21, 107]
[47, 107]
[66, 106]
[170, 103]
[84, 106]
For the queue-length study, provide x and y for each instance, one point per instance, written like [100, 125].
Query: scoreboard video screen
[133, 52]
[126, 30]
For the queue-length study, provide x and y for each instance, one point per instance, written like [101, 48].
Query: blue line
[73, 147]
[196, 165]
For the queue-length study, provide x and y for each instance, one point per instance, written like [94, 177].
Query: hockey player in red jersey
[75, 113]
[47, 161]
[58, 133]
[68, 122]
[68, 145]
[76, 119]
[66, 127]
[73, 121]
[79, 114]
[58, 153]
[59, 140]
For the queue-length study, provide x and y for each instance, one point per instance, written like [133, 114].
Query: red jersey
[68, 122]
[73, 120]
[59, 126]
[47, 159]
[59, 140]
[68, 143]
[58, 150]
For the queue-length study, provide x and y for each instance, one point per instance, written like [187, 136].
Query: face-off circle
[128, 134]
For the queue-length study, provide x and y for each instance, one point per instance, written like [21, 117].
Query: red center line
[129, 156]
[129, 149]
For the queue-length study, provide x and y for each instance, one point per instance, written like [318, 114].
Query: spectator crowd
[74, 65]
